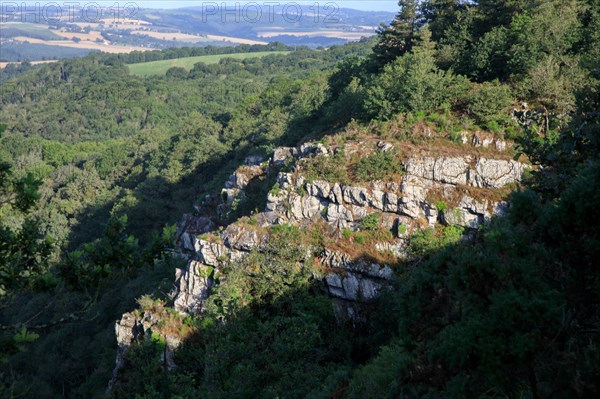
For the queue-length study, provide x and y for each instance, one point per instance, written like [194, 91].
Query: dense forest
[97, 165]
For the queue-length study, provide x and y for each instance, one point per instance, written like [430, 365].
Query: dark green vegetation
[16, 52]
[184, 65]
[513, 312]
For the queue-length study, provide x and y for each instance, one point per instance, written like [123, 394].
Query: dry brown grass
[4, 64]
[341, 34]
[84, 44]
[184, 37]
[234, 39]
[91, 36]
[169, 321]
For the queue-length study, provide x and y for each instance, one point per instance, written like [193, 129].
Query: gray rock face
[339, 212]
[483, 140]
[130, 329]
[190, 226]
[283, 154]
[241, 177]
[398, 250]
[210, 253]
[444, 170]
[356, 195]
[491, 173]
[308, 149]
[319, 188]
[352, 287]
[243, 239]
[336, 195]
[193, 287]
[469, 213]
[355, 281]
[229, 195]
[497, 173]
[384, 147]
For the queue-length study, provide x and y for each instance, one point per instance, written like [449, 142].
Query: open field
[92, 36]
[4, 64]
[352, 36]
[84, 44]
[234, 39]
[183, 37]
[36, 31]
[187, 63]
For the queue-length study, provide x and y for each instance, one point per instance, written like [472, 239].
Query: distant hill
[151, 29]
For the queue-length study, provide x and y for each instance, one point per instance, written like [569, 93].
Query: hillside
[187, 63]
[414, 215]
[125, 28]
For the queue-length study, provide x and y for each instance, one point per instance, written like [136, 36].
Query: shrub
[276, 189]
[378, 166]
[402, 229]
[371, 222]
[329, 168]
[489, 105]
[441, 206]
[346, 233]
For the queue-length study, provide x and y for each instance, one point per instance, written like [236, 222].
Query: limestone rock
[241, 177]
[336, 195]
[376, 199]
[390, 202]
[242, 238]
[319, 188]
[282, 154]
[193, 287]
[339, 260]
[384, 147]
[265, 219]
[352, 287]
[497, 173]
[190, 226]
[210, 253]
[285, 180]
[356, 195]
[275, 201]
[313, 149]
[450, 170]
[339, 212]
[359, 212]
[469, 213]
[397, 249]
[229, 195]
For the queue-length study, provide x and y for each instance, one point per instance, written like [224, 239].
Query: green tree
[398, 38]
[24, 250]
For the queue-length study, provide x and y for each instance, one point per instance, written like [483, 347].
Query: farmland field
[187, 63]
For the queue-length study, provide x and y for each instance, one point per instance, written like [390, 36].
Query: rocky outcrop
[426, 177]
[480, 139]
[193, 286]
[433, 190]
[492, 173]
[131, 328]
[350, 282]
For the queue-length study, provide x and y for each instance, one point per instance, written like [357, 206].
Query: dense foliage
[512, 311]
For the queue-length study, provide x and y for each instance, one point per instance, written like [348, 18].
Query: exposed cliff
[434, 185]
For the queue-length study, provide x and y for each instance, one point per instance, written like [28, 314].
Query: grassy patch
[161, 67]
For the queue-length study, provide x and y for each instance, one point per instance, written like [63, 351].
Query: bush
[378, 166]
[371, 222]
[489, 105]
[413, 83]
